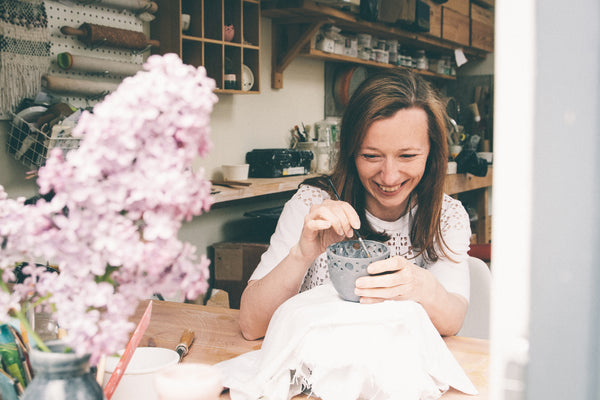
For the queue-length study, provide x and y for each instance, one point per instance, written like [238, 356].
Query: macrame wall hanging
[24, 50]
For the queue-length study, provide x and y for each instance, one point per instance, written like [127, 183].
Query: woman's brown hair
[379, 97]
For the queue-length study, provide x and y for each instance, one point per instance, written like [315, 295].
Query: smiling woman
[390, 175]
[392, 160]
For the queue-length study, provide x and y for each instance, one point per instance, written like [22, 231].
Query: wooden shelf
[318, 54]
[459, 183]
[295, 22]
[455, 183]
[259, 187]
[204, 44]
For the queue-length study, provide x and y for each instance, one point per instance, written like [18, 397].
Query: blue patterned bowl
[347, 261]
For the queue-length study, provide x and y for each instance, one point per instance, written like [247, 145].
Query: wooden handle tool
[92, 34]
[185, 342]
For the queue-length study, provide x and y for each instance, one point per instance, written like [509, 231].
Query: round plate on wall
[247, 78]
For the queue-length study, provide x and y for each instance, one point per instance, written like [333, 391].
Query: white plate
[28, 115]
[247, 78]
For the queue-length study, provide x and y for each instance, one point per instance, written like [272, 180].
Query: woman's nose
[390, 172]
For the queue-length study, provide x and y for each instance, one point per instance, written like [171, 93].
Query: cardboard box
[455, 26]
[460, 6]
[233, 263]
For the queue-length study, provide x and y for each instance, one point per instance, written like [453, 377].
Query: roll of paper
[77, 86]
[136, 5]
[68, 61]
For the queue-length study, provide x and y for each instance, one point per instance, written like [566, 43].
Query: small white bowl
[138, 380]
[235, 172]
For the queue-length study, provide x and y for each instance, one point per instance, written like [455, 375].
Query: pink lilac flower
[118, 203]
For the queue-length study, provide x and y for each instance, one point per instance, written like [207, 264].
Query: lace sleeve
[453, 273]
[289, 228]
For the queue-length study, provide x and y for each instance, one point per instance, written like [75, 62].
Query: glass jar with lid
[422, 61]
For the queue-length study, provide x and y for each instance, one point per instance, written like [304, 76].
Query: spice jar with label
[422, 62]
[230, 81]
[323, 157]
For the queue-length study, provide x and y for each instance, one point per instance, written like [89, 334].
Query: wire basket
[32, 146]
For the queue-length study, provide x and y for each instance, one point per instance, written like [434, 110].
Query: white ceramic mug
[185, 22]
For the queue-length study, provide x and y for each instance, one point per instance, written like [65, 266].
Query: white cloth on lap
[344, 350]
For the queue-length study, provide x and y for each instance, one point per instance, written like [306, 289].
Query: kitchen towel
[338, 350]
[24, 50]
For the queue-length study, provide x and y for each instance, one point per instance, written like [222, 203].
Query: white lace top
[456, 231]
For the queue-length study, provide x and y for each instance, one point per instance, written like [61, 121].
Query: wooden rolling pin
[92, 34]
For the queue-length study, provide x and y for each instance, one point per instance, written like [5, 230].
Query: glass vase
[61, 375]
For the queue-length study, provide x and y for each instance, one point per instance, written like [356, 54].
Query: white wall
[241, 123]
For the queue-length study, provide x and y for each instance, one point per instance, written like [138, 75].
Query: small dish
[247, 78]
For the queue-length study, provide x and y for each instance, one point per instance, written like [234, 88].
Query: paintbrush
[360, 239]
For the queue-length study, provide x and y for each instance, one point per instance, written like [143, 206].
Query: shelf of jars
[296, 22]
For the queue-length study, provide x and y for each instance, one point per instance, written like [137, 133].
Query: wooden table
[218, 338]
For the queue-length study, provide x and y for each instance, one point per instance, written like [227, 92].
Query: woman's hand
[395, 278]
[326, 223]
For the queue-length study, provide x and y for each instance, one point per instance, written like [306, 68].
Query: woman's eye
[370, 156]
[408, 155]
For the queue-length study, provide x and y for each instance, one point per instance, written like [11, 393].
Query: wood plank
[455, 183]
[458, 183]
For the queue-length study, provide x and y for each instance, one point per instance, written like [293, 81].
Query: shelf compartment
[192, 53]
[232, 15]
[251, 31]
[233, 63]
[251, 59]
[214, 62]
[213, 19]
[194, 9]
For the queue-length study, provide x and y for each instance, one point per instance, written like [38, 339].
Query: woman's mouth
[388, 189]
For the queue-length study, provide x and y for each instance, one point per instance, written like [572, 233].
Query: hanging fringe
[24, 50]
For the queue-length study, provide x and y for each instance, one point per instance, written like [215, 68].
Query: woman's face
[391, 161]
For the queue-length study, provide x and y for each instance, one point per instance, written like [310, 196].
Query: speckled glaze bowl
[347, 261]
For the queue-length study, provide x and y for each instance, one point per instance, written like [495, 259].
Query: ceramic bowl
[235, 172]
[347, 261]
[138, 380]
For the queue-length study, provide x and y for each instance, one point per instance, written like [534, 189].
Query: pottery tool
[185, 342]
[117, 374]
[360, 239]
[68, 61]
[92, 34]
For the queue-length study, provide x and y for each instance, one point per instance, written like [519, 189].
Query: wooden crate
[455, 26]
[482, 36]
[481, 14]
[460, 6]
[435, 18]
[482, 28]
